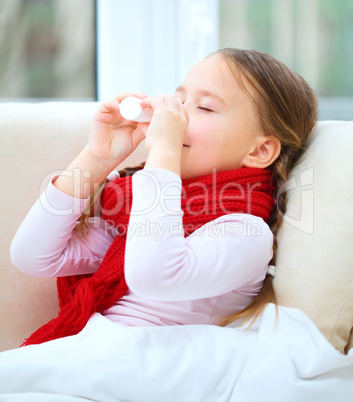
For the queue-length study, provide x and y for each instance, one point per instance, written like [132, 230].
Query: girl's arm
[46, 245]
[227, 254]
[111, 141]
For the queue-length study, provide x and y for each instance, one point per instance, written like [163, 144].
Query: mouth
[187, 146]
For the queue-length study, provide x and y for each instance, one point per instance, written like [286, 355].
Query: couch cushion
[315, 254]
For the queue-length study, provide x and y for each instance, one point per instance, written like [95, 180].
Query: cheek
[202, 133]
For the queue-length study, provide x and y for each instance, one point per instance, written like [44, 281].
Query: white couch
[315, 257]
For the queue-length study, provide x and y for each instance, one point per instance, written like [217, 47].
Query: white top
[172, 280]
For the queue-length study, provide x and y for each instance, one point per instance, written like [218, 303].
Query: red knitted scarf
[203, 199]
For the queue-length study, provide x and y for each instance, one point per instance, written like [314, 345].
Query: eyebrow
[202, 92]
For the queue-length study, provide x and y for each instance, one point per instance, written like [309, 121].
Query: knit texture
[203, 199]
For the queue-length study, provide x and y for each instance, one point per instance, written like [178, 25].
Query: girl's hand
[168, 125]
[113, 138]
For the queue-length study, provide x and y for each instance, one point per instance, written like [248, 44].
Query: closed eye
[205, 109]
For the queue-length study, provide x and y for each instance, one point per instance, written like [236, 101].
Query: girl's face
[223, 126]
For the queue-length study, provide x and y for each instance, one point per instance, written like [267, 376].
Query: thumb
[143, 127]
[140, 133]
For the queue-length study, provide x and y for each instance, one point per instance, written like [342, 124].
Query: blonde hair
[93, 206]
[287, 109]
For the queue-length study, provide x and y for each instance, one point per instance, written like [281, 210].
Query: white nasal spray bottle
[131, 110]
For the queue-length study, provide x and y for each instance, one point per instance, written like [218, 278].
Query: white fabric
[290, 362]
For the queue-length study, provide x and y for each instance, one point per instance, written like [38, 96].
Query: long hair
[287, 109]
[93, 206]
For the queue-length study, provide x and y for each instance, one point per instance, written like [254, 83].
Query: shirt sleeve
[46, 245]
[230, 253]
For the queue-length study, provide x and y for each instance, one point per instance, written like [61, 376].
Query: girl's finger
[112, 105]
[107, 106]
[173, 102]
[161, 97]
[141, 95]
[152, 102]
[143, 127]
[119, 98]
[123, 95]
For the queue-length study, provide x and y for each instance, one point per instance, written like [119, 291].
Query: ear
[264, 153]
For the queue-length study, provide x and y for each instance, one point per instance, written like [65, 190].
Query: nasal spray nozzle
[131, 110]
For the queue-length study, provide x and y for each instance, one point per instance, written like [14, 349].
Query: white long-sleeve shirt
[172, 280]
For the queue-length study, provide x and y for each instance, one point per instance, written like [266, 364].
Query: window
[313, 37]
[150, 45]
[47, 49]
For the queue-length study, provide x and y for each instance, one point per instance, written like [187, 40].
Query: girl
[186, 237]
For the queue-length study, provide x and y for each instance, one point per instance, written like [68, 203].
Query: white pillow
[315, 254]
